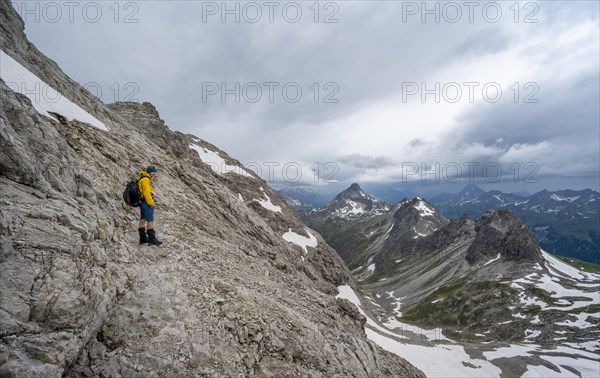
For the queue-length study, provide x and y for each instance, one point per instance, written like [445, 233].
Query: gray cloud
[368, 162]
[366, 57]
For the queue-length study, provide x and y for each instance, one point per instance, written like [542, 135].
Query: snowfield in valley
[446, 358]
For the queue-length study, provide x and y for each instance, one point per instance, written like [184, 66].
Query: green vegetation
[373, 278]
[590, 309]
[581, 265]
[466, 308]
[353, 265]
[533, 311]
[542, 294]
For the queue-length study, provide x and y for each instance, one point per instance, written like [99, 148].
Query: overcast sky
[398, 87]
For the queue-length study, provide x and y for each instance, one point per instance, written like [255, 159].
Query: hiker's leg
[143, 235]
[149, 212]
[142, 224]
[142, 217]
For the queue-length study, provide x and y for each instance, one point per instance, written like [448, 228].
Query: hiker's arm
[145, 184]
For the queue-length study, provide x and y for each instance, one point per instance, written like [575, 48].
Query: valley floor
[439, 356]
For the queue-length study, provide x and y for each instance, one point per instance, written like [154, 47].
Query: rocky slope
[240, 288]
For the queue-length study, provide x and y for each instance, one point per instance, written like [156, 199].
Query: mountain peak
[414, 219]
[354, 202]
[355, 187]
[472, 188]
[354, 191]
[503, 233]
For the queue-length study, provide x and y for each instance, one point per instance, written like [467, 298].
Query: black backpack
[132, 195]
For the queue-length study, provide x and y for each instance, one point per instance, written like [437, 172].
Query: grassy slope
[581, 265]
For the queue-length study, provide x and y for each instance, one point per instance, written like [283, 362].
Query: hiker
[147, 207]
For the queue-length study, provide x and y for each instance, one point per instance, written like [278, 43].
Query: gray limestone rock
[503, 233]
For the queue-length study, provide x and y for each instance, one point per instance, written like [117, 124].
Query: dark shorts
[146, 212]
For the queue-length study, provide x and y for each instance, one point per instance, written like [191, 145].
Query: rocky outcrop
[413, 220]
[226, 294]
[145, 118]
[503, 233]
[459, 230]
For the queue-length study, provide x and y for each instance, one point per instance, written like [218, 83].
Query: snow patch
[492, 260]
[567, 297]
[43, 97]
[587, 368]
[300, 240]
[592, 346]
[581, 321]
[566, 270]
[450, 359]
[267, 204]
[532, 334]
[397, 306]
[424, 210]
[348, 293]
[556, 197]
[391, 227]
[354, 209]
[537, 371]
[217, 163]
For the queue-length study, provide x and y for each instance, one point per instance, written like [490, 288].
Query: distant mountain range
[303, 198]
[566, 222]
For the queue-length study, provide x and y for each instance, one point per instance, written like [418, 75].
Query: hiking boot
[152, 240]
[143, 236]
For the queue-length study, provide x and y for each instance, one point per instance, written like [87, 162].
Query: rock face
[502, 233]
[225, 295]
[412, 220]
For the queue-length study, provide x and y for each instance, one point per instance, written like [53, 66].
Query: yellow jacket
[145, 186]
